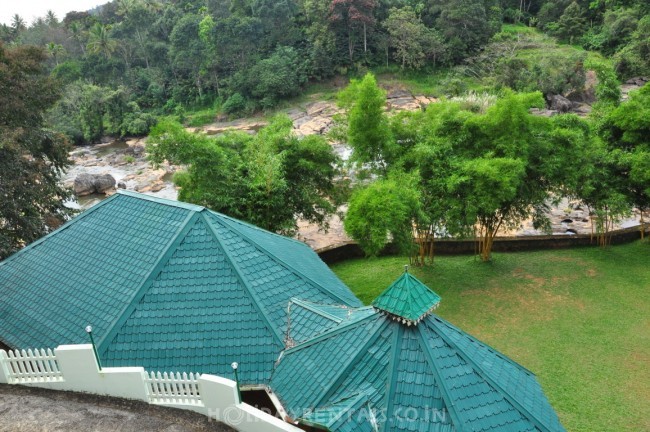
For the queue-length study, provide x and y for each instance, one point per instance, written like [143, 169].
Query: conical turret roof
[407, 299]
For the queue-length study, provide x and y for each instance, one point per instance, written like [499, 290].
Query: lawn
[579, 319]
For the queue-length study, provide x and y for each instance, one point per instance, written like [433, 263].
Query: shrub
[234, 104]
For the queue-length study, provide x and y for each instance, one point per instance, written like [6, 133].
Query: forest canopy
[128, 58]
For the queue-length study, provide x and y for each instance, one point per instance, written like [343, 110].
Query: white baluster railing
[173, 388]
[27, 366]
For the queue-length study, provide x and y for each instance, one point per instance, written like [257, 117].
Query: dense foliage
[268, 179]
[480, 170]
[31, 156]
[136, 56]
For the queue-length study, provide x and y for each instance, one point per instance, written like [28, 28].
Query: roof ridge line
[250, 225]
[328, 333]
[162, 259]
[244, 282]
[61, 228]
[392, 377]
[496, 352]
[164, 201]
[286, 265]
[309, 306]
[531, 417]
[350, 363]
[410, 293]
[444, 391]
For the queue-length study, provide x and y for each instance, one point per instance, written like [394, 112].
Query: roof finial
[406, 268]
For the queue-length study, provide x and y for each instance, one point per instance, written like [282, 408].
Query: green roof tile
[429, 377]
[407, 299]
[166, 285]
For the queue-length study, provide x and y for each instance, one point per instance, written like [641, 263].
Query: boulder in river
[86, 184]
[559, 103]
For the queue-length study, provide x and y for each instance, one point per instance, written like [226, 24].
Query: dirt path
[25, 409]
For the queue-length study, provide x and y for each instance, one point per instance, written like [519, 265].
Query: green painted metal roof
[166, 285]
[308, 319]
[430, 377]
[352, 414]
[407, 299]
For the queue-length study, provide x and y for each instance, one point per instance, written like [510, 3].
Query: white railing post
[4, 368]
[219, 395]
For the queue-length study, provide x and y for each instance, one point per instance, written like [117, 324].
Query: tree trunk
[199, 87]
[350, 46]
[144, 52]
[215, 75]
[365, 40]
[642, 221]
[487, 232]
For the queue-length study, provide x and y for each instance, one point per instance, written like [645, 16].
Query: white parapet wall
[74, 368]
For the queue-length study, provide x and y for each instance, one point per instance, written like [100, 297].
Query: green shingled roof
[407, 299]
[307, 319]
[166, 285]
[430, 377]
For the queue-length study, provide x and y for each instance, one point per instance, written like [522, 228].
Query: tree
[412, 40]
[491, 171]
[77, 34]
[572, 23]
[100, 40]
[481, 173]
[321, 36]
[626, 130]
[17, 24]
[280, 75]
[634, 58]
[136, 20]
[187, 51]
[353, 15]
[51, 19]
[55, 50]
[466, 25]
[387, 210]
[367, 125]
[32, 158]
[269, 179]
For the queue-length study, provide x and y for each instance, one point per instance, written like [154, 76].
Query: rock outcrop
[86, 184]
[559, 103]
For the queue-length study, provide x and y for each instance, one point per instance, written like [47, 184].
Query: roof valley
[165, 255]
[287, 266]
[376, 332]
[242, 279]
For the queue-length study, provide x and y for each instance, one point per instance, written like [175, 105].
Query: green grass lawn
[579, 319]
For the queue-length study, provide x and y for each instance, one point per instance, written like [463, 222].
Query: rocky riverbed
[126, 163]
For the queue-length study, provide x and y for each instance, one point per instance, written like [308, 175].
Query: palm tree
[100, 40]
[153, 5]
[76, 33]
[54, 50]
[125, 6]
[125, 9]
[51, 19]
[17, 24]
